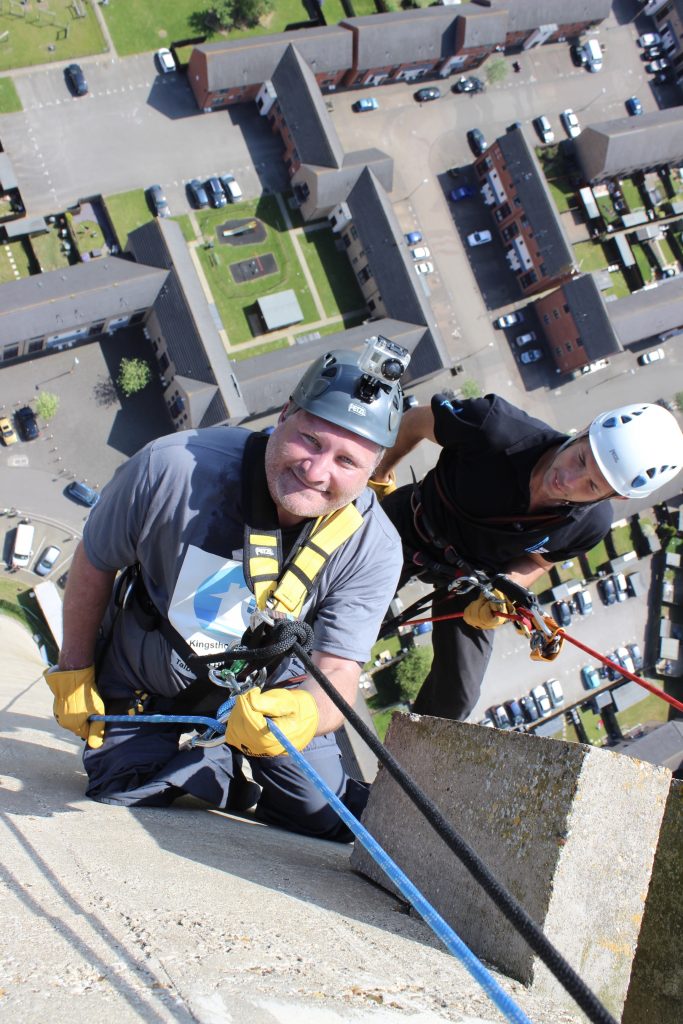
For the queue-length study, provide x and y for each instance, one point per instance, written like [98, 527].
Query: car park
[157, 201]
[543, 702]
[165, 61]
[607, 590]
[27, 423]
[525, 339]
[660, 64]
[477, 141]
[570, 123]
[7, 431]
[214, 191]
[499, 717]
[413, 237]
[554, 691]
[469, 83]
[562, 613]
[47, 560]
[620, 586]
[634, 106]
[651, 357]
[462, 192]
[649, 39]
[421, 253]
[529, 709]
[545, 132]
[636, 656]
[197, 194]
[514, 712]
[431, 92]
[479, 238]
[424, 268]
[590, 677]
[82, 493]
[76, 79]
[584, 602]
[232, 190]
[509, 319]
[578, 55]
[366, 103]
[532, 355]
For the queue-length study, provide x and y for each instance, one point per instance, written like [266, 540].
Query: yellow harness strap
[289, 592]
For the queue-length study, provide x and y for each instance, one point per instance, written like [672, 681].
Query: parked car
[367, 103]
[27, 423]
[660, 64]
[636, 656]
[499, 717]
[652, 51]
[486, 722]
[625, 659]
[82, 493]
[529, 709]
[545, 132]
[509, 319]
[165, 61]
[514, 711]
[469, 83]
[584, 602]
[477, 141]
[570, 123]
[590, 677]
[197, 194]
[634, 106]
[462, 192]
[649, 39]
[76, 79]
[431, 92]
[532, 355]
[578, 55]
[562, 613]
[525, 339]
[47, 560]
[554, 691]
[421, 253]
[157, 201]
[61, 582]
[651, 357]
[413, 237]
[214, 191]
[479, 238]
[232, 190]
[620, 586]
[424, 268]
[542, 700]
[7, 431]
[607, 590]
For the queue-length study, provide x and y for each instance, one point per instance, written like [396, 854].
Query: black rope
[505, 902]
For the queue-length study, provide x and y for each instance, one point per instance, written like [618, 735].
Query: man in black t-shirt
[510, 494]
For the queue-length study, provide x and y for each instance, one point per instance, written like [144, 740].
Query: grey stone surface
[655, 994]
[570, 830]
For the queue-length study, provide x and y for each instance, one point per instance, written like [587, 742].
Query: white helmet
[638, 448]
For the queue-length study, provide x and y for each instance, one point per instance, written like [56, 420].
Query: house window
[11, 352]
[36, 345]
[546, 318]
[372, 304]
[568, 345]
[353, 232]
[558, 350]
[164, 362]
[565, 308]
[556, 314]
[96, 329]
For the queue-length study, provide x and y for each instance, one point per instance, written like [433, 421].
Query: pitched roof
[303, 108]
[591, 317]
[405, 37]
[530, 14]
[649, 312]
[626, 143]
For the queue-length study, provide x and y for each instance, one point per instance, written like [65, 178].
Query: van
[593, 52]
[620, 584]
[22, 552]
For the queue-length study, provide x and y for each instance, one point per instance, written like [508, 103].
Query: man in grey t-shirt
[177, 511]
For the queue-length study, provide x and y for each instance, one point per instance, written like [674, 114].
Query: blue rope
[442, 930]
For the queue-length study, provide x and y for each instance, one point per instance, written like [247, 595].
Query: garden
[33, 33]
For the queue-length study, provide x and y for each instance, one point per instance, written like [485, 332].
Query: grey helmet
[361, 393]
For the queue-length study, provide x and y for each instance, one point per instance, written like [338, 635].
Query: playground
[241, 232]
[42, 32]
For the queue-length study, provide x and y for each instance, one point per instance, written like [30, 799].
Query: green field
[336, 283]
[9, 100]
[47, 33]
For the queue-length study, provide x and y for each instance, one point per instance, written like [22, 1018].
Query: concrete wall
[570, 830]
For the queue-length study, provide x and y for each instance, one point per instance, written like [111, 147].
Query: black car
[529, 709]
[477, 142]
[607, 590]
[469, 84]
[215, 192]
[499, 717]
[514, 712]
[562, 613]
[197, 194]
[158, 203]
[76, 79]
[27, 423]
[578, 55]
[432, 92]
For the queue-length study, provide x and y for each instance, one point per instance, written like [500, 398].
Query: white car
[509, 320]
[543, 128]
[652, 357]
[571, 123]
[554, 691]
[46, 563]
[421, 253]
[542, 700]
[424, 268]
[525, 339]
[649, 39]
[479, 238]
[165, 60]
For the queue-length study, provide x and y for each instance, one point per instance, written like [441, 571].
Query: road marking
[18, 461]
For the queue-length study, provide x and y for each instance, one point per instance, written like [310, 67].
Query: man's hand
[76, 698]
[483, 613]
[294, 711]
[383, 488]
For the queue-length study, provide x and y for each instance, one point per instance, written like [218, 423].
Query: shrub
[134, 375]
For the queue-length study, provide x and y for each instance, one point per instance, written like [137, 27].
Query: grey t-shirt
[176, 508]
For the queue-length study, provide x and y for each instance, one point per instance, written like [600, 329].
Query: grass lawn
[259, 350]
[597, 557]
[590, 256]
[604, 204]
[88, 234]
[667, 251]
[48, 250]
[128, 210]
[363, 7]
[622, 540]
[235, 301]
[342, 324]
[563, 194]
[331, 271]
[632, 195]
[643, 263]
[17, 604]
[38, 36]
[9, 100]
[20, 259]
[382, 719]
[619, 286]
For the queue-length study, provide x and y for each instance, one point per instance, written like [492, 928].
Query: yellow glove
[383, 488]
[76, 698]
[294, 711]
[484, 614]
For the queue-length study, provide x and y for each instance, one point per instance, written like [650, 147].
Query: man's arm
[344, 676]
[417, 425]
[526, 569]
[85, 600]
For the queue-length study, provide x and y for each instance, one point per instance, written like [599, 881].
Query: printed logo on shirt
[539, 547]
[211, 603]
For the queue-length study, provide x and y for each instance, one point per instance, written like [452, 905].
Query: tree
[470, 389]
[496, 70]
[47, 405]
[246, 13]
[402, 681]
[134, 375]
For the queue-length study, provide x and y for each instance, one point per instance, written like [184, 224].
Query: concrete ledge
[569, 829]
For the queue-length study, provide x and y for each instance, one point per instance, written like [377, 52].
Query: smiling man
[212, 528]
[509, 494]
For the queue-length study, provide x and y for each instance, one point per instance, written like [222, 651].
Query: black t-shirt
[477, 496]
